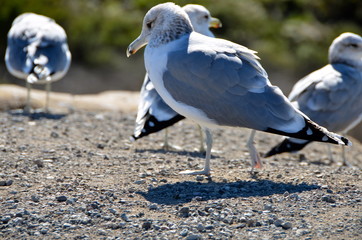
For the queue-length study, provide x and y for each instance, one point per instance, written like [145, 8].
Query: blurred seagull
[37, 51]
[153, 113]
[215, 82]
[332, 95]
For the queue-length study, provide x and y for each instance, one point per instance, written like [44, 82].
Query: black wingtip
[313, 132]
[152, 125]
[286, 146]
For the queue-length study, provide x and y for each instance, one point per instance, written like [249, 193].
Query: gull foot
[192, 172]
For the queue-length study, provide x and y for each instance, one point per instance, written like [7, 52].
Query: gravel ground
[78, 177]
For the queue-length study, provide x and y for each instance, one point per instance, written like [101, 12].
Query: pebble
[200, 178]
[301, 232]
[6, 183]
[125, 217]
[328, 199]
[194, 237]
[35, 198]
[142, 181]
[184, 232]
[153, 206]
[278, 223]
[287, 225]
[146, 225]
[184, 212]
[61, 198]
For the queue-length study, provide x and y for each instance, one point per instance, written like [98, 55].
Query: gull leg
[206, 171]
[255, 158]
[166, 146]
[330, 154]
[47, 89]
[202, 147]
[28, 103]
[344, 158]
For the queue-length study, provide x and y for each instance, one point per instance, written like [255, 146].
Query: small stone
[287, 225]
[54, 135]
[200, 227]
[6, 183]
[242, 225]
[125, 217]
[71, 200]
[301, 232]
[268, 207]
[184, 232]
[209, 227]
[184, 211]
[153, 206]
[194, 237]
[142, 181]
[146, 225]
[113, 211]
[5, 219]
[67, 225]
[61, 198]
[250, 223]
[35, 198]
[101, 145]
[278, 223]
[102, 232]
[328, 199]
[200, 178]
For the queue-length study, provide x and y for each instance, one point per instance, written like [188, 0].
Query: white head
[163, 23]
[347, 48]
[201, 19]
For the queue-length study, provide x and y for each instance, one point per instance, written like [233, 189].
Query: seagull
[37, 52]
[215, 82]
[330, 96]
[153, 113]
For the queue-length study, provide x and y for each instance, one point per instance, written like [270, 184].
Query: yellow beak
[215, 23]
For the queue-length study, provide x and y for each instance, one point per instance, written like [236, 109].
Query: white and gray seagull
[215, 82]
[153, 113]
[332, 95]
[37, 52]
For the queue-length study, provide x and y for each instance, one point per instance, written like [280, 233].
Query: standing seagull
[153, 113]
[37, 52]
[332, 95]
[216, 82]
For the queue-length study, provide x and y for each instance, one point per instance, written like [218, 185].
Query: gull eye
[353, 45]
[149, 25]
[206, 17]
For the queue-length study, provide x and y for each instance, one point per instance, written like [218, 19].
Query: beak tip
[129, 52]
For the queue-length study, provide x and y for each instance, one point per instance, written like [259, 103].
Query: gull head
[346, 48]
[162, 24]
[201, 19]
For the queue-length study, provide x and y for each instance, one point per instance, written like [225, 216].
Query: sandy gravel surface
[78, 177]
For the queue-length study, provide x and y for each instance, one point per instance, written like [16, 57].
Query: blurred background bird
[332, 95]
[37, 52]
[153, 113]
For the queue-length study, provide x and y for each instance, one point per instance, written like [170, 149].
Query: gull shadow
[37, 115]
[184, 192]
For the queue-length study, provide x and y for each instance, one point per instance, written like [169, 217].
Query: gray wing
[330, 96]
[37, 40]
[229, 85]
[153, 113]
